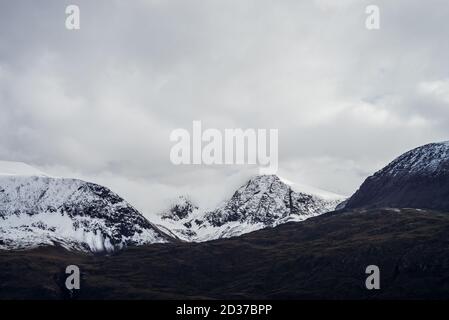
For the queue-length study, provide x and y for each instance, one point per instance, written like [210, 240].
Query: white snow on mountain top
[11, 168]
[264, 201]
[426, 159]
[298, 187]
[36, 209]
[40, 210]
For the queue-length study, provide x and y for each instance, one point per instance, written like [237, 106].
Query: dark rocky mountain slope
[417, 179]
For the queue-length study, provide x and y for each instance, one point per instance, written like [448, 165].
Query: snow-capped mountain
[39, 210]
[417, 179]
[264, 201]
[36, 210]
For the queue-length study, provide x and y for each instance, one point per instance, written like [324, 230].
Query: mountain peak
[182, 207]
[266, 180]
[264, 177]
[426, 159]
[40, 210]
[418, 178]
[263, 201]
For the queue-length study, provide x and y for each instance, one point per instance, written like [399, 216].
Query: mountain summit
[40, 210]
[417, 179]
[264, 201]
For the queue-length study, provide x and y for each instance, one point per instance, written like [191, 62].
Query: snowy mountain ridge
[36, 210]
[39, 210]
[427, 159]
[419, 178]
[264, 201]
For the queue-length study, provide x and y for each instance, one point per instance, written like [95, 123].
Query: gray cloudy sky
[100, 103]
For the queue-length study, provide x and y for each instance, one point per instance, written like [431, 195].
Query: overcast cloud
[100, 103]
